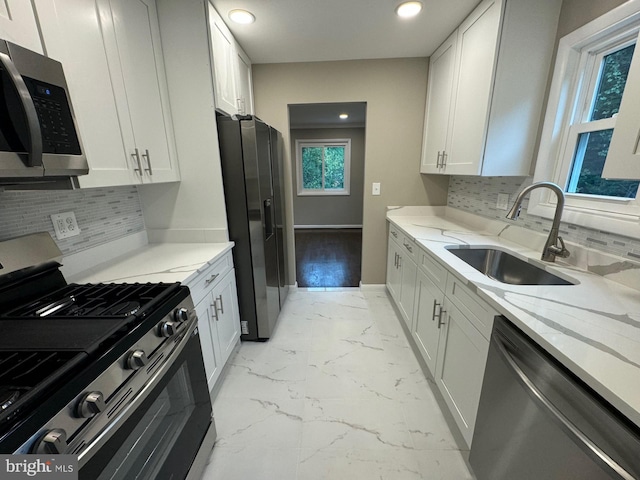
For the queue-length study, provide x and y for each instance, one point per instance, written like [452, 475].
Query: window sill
[343, 193]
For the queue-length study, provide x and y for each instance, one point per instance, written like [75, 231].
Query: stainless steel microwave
[39, 142]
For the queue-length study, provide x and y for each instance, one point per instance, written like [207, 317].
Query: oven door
[162, 433]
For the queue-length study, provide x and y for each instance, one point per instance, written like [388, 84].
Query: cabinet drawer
[395, 233]
[432, 269]
[476, 310]
[209, 276]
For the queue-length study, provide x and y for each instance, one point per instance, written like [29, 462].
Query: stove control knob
[136, 359]
[54, 442]
[167, 329]
[91, 404]
[181, 315]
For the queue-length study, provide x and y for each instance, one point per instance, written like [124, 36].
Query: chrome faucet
[554, 245]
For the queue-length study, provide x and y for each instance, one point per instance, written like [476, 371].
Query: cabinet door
[394, 274]
[18, 24]
[227, 319]
[426, 325]
[224, 64]
[462, 356]
[209, 340]
[439, 102]
[139, 50]
[623, 158]
[477, 49]
[408, 289]
[72, 34]
[245, 95]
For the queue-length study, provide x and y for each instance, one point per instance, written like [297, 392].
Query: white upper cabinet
[231, 69]
[623, 158]
[111, 54]
[485, 120]
[18, 24]
[136, 62]
[439, 100]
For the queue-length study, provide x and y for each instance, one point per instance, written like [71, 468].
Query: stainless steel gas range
[112, 373]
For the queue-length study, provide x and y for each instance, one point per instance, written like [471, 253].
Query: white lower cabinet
[216, 304]
[462, 355]
[449, 324]
[401, 273]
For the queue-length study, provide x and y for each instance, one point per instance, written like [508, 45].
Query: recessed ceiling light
[344, 116]
[242, 16]
[408, 9]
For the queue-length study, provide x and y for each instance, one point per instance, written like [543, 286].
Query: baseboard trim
[317, 227]
[373, 287]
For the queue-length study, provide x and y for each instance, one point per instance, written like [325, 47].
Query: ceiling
[325, 115]
[321, 30]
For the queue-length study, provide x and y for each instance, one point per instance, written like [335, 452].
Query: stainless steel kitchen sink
[506, 268]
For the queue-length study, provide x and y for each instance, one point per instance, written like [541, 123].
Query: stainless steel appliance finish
[277, 167]
[254, 215]
[536, 420]
[39, 142]
[112, 373]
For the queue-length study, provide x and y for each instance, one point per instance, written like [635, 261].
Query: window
[589, 79]
[323, 166]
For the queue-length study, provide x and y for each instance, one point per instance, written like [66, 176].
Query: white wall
[395, 91]
[192, 210]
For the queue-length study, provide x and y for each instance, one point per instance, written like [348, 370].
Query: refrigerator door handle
[268, 219]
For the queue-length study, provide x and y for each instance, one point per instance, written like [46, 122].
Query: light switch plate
[375, 188]
[503, 201]
[65, 225]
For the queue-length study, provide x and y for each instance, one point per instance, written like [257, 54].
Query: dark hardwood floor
[328, 257]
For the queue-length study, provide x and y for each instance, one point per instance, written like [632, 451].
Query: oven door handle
[35, 136]
[579, 437]
[90, 450]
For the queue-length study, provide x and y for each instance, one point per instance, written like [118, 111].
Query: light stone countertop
[158, 262]
[593, 327]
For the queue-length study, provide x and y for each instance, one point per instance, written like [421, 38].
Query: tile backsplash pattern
[103, 214]
[479, 194]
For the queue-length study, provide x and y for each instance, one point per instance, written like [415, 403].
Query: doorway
[327, 152]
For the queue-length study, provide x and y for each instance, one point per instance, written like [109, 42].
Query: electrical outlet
[65, 225]
[503, 201]
[375, 188]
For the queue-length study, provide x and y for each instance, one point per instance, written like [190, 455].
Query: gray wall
[478, 195]
[395, 92]
[331, 210]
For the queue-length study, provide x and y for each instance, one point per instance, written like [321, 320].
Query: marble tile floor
[336, 393]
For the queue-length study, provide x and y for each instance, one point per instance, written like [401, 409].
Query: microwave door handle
[35, 136]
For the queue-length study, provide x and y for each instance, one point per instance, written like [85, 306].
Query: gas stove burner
[8, 396]
[122, 309]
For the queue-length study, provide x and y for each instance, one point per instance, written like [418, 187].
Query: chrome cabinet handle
[147, 156]
[408, 247]
[433, 313]
[214, 310]
[221, 309]
[438, 159]
[536, 394]
[211, 279]
[395, 235]
[444, 159]
[33, 124]
[136, 156]
[440, 315]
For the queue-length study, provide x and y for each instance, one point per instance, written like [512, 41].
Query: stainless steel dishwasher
[536, 420]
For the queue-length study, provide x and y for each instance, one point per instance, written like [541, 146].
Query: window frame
[575, 76]
[324, 142]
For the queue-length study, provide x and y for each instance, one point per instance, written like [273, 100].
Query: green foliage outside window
[313, 159]
[592, 147]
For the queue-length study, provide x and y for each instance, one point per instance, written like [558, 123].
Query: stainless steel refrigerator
[251, 156]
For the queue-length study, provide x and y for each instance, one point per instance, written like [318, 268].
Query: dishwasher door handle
[579, 437]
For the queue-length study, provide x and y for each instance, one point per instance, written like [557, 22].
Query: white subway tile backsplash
[479, 194]
[103, 214]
